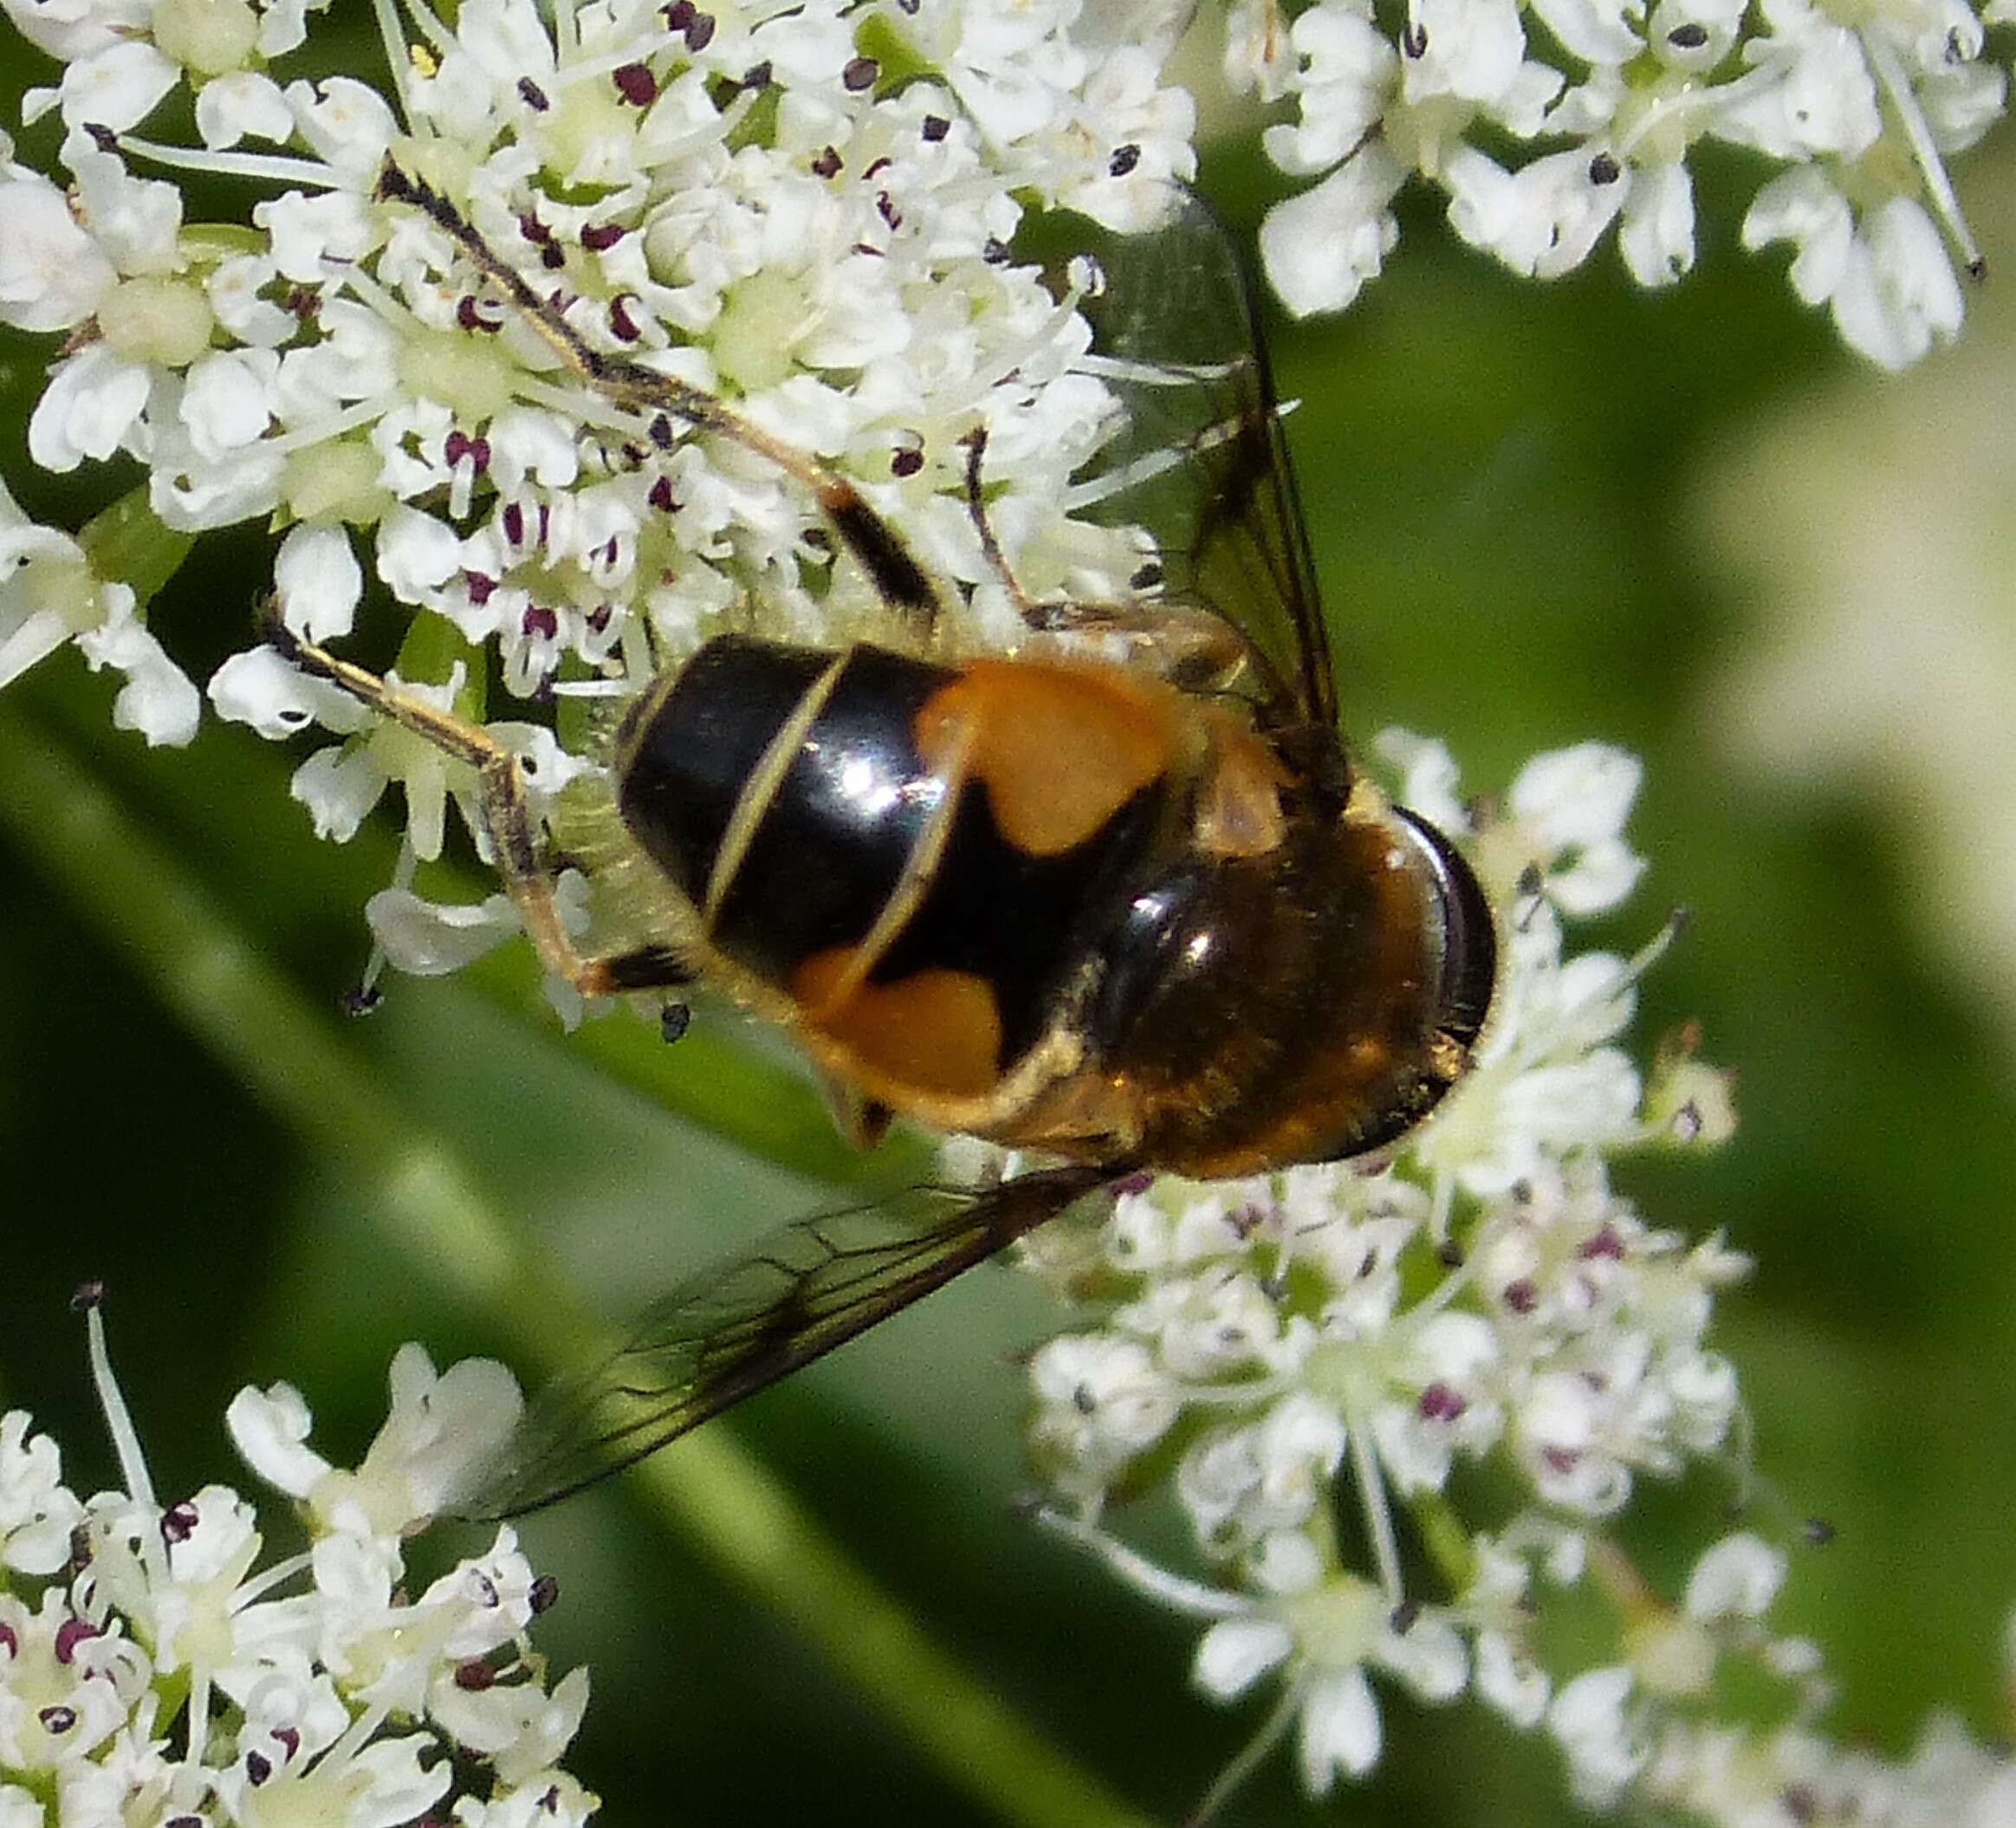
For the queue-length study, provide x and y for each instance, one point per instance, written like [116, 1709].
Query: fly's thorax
[911, 860]
[1306, 1003]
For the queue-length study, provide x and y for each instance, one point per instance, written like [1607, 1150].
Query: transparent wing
[755, 1316]
[1201, 461]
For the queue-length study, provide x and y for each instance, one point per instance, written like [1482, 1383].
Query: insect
[1134, 914]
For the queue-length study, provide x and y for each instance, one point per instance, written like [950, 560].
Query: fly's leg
[1191, 648]
[507, 816]
[1031, 611]
[899, 580]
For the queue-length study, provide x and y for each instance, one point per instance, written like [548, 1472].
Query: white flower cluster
[152, 1670]
[1486, 1296]
[807, 209]
[1646, 1734]
[1858, 103]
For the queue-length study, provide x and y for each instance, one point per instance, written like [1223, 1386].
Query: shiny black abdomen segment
[685, 770]
[1024, 924]
[833, 841]
[829, 848]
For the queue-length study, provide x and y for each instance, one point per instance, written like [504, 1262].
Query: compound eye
[1469, 936]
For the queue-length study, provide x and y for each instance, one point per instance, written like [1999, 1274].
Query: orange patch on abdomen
[1061, 749]
[936, 1032]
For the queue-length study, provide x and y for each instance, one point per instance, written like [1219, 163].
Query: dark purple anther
[636, 84]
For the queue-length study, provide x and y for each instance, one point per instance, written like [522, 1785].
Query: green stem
[283, 1048]
[1446, 1539]
[128, 542]
[712, 1078]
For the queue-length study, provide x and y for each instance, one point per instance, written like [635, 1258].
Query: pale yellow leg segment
[507, 814]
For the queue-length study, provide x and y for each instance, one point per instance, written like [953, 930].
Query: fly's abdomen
[914, 854]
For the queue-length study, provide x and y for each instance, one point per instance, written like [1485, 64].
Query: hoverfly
[1130, 915]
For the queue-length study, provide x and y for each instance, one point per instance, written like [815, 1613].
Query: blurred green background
[1542, 513]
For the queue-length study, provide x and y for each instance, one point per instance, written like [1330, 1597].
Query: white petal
[440, 1430]
[240, 105]
[1341, 1729]
[1589, 1103]
[1521, 110]
[1657, 236]
[157, 699]
[347, 123]
[1737, 1578]
[1592, 1704]
[1578, 796]
[233, 288]
[269, 1427]
[283, 27]
[137, 221]
[1572, 206]
[1588, 110]
[35, 637]
[52, 273]
[1823, 100]
[1961, 104]
[1802, 207]
[74, 30]
[229, 400]
[1484, 202]
[192, 494]
[417, 553]
[428, 938]
[387, 1782]
[338, 787]
[1428, 778]
[308, 232]
[356, 1575]
[1319, 248]
[1415, 1453]
[1473, 48]
[1893, 303]
[1455, 1347]
[1256, 60]
[1597, 31]
[1349, 68]
[426, 791]
[1559, 1412]
[87, 408]
[1602, 877]
[1428, 1657]
[525, 442]
[277, 699]
[1237, 1652]
[1299, 1432]
[318, 580]
[1588, 1718]
[1509, 1681]
[1286, 1562]
[117, 87]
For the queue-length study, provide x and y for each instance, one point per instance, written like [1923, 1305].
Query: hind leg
[507, 816]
